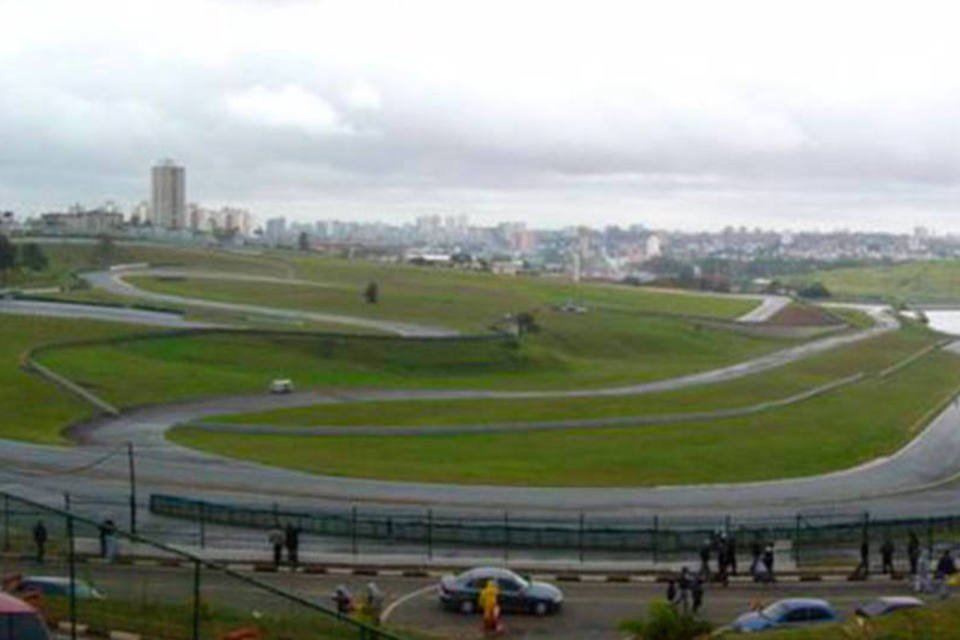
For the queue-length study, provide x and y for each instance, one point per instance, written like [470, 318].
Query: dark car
[57, 586]
[20, 621]
[516, 594]
[889, 604]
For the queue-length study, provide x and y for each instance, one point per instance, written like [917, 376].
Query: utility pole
[133, 489]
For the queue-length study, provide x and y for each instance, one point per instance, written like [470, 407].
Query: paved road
[113, 282]
[769, 307]
[591, 610]
[94, 312]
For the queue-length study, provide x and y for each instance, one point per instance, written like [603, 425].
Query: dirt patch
[804, 315]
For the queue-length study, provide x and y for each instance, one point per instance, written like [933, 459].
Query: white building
[275, 230]
[169, 195]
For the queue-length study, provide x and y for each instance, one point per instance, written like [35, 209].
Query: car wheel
[467, 607]
[541, 608]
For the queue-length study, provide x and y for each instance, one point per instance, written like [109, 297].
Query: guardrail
[809, 535]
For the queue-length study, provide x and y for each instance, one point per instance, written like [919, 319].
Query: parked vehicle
[58, 586]
[20, 621]
[787, 613]
[516, 594]
[281, 385]
[888, 604]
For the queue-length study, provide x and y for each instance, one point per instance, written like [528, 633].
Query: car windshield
[775, 611]
[874, 608]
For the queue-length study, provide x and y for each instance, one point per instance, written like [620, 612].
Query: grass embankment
[595, 349]
[463, 300]
[34, 409]
[66, 257]
[931, 282]
[869, 356]
[838, 430]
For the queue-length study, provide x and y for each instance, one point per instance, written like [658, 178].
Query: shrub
[664, 622]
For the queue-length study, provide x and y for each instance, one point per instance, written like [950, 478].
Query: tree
[8, 256]
[303, 241]
[32, 257]
[814, 290]
[371, 295]
[104, 251]
[526, 323]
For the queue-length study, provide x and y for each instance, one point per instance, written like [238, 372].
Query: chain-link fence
[91, 577]
[809, 538]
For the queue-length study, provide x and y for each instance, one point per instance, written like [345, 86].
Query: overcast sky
[671, 114]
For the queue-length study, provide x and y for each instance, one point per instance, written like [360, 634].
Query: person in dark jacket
[40, 540]
[732, 554]
[671, 592]
[705, 559]
[863, 569]
[946, 566]
[886, 556]
[696, 593]
[684, 584]
[768, 563]
[913, 552]
[292, 541]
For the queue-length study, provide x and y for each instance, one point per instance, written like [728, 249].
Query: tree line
[29, 256]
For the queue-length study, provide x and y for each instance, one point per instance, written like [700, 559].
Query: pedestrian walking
[886, 556]
[696, 592]
[292, 541]
[913, 552]
[767, 559]
[40, 540]
[276, 539]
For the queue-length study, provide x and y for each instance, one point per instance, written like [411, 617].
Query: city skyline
[685, 116]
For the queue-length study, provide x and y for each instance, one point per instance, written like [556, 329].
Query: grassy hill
[931, 282]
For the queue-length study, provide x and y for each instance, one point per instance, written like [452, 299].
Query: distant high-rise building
[169, 195]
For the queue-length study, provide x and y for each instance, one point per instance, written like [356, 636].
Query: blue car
[787, 613]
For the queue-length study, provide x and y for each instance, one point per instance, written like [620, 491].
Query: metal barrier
[810, 537]
[178, 596]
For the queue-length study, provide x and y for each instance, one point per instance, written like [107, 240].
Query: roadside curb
[586, 576]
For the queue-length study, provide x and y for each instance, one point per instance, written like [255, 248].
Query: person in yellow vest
[490, 608]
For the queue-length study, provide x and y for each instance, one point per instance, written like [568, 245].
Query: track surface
[912, 481]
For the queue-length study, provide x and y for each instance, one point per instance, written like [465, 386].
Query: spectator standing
[684, 584]
[913, 552]
[768, 563]
[696, 592]
[886, 556]
[863, 569]
[276, 539]
[110, 540]
[732, 554]
[671, 592]
[705, 559]
[756, 550]
[946, 566]
[292, 540]
[40, 540]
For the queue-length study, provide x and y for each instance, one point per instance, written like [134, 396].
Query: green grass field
[467, 301]
[931, 282]
[869, 356]
[838, 430]
[33, 409]
[562, 355]
[66, 257]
